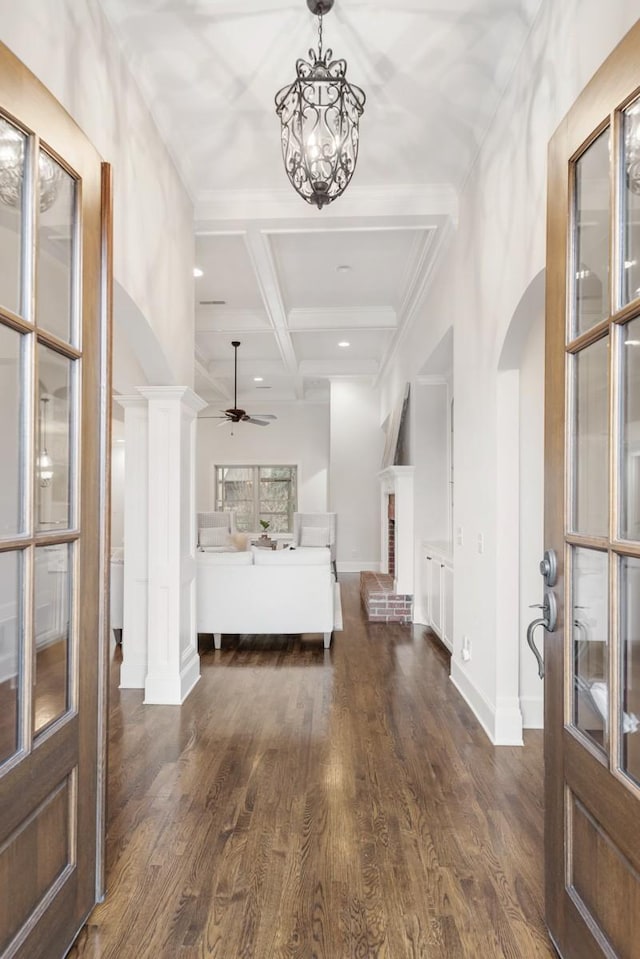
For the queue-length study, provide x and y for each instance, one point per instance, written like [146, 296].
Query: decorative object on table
[319, 115]
[265, 541]
[235, 414]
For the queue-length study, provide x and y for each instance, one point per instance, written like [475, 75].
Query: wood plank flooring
[312, 804]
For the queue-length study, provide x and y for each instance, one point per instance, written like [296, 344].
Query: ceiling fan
[236, 415]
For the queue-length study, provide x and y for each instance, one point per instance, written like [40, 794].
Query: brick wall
[381, 604]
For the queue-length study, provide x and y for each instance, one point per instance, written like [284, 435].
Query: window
[258, 492]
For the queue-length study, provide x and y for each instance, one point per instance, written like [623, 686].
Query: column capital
[182, 394]
[130, 401]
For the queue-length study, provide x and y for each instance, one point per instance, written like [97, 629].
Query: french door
[53, 423]
[592, 517]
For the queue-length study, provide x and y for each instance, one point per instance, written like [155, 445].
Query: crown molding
[224, 319]
[435, 199]
[333, 369]
[341, 318]
[424, 379]
[418, 297]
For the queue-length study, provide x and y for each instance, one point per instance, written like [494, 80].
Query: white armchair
[213, 519]
[316, 529]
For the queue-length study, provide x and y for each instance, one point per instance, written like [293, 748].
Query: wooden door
[53, 424]
[592, 690]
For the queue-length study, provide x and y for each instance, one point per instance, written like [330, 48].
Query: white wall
[430, 417]
[72, 50]
[117, 483]
[498, 249]
[357, 443]
[299, 437]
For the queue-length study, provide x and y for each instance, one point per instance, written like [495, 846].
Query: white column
[173, 665]
[399, 481]
[136, 508]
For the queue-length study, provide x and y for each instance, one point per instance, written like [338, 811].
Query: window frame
[258, 512]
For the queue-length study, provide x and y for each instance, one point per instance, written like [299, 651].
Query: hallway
[312, 804]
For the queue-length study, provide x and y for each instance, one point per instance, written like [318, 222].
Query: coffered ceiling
[291, 282]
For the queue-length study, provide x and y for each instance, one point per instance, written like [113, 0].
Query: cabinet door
[447, 606]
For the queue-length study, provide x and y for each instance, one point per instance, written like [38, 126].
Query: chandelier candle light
[320, 112]
[12, 169]
[44, 463]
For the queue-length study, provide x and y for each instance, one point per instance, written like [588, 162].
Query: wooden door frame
[616, 81]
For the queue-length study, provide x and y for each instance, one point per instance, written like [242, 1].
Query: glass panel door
[592, 517]
[52, 342]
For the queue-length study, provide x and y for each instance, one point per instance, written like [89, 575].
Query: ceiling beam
[268, 283]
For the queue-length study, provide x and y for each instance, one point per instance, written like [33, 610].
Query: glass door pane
[590, 439]
[630, 628]
[10, 652]
[11, 407]
[591, 237]
[54, 456]
[630, 433]
[630, 285]
[57, 271]
[590, 659]
[12, 160]
[52, 634]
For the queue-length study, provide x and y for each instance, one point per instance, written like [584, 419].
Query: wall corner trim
[503, 724]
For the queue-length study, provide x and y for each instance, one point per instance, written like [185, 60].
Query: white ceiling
[433, 72]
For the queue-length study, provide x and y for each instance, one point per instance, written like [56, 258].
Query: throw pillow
[213, 536]
[314, 536]
[240, 541]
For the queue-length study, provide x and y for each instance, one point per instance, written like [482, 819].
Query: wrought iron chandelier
[320, 112]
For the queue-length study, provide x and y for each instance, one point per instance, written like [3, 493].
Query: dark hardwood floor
[312, 804]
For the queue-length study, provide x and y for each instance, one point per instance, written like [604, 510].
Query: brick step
[380, 602]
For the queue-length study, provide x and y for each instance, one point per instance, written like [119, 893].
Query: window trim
[258, 513]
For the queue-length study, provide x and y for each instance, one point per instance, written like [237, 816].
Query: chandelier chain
[320, 36]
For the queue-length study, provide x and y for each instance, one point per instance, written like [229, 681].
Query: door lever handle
[548, 620]
[532, 646]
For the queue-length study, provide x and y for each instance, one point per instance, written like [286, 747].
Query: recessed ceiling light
[258, 379]
[629, 263]
[213, 302]
[632, 342]
[197, 271]
[343, 268]
[344, 343]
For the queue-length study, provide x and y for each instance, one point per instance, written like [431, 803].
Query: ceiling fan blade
[224, 422]
[268, 416]
[250, 419]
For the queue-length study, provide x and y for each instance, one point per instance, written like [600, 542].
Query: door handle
[548, 620]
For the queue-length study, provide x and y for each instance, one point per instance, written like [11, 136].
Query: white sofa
[265, 591]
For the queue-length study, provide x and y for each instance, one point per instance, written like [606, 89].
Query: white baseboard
[419, 615]
[502, 725]
[169, 689]
[358, 567]
[532, 712]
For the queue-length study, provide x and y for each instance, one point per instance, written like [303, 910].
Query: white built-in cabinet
[437, 592]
